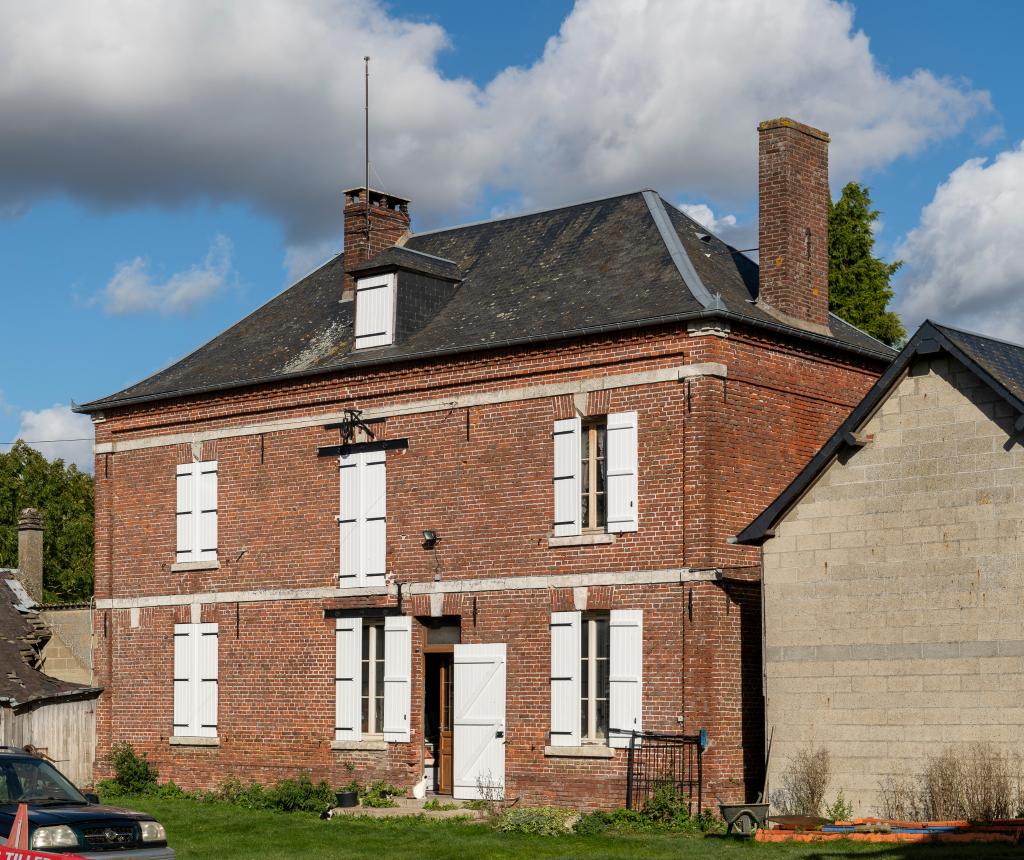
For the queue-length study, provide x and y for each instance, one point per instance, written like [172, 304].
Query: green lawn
[200, 831]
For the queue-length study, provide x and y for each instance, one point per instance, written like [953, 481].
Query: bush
[634, 821]
[536, 820]
[286, 795]
[977, 783]
[132, 774]
[841, 810]
[804, 783]
[379, 795]
[667, 806]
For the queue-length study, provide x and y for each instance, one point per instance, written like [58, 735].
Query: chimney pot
[30, 552]
[793, 198]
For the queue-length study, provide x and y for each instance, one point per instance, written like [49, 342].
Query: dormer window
[375, 311]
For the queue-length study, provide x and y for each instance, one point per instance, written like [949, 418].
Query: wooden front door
[444, 757]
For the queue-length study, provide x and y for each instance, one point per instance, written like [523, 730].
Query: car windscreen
[31, 780]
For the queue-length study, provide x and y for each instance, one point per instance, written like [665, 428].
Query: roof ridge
[529, 214]
[676, 250]
[944, 327]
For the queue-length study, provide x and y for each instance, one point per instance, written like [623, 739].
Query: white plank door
[478, 756]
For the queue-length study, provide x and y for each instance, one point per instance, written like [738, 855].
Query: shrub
[536, 820]
[667, 805]
[804, 783]
[437, 806]
[977, 783]
[132, 774]
[634, 821]
[841, 810]
[379, 795]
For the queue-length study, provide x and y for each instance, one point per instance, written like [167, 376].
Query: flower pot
[347, 799]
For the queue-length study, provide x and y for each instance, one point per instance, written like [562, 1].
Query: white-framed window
[195, 680]
[196, 512]
[594, 653]
[375, 311]
[373, 678]
[595, 474]
[362, 518]
[596, 677]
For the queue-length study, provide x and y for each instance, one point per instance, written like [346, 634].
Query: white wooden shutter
[348, 519]
[348, 671]
[184, 668]
[397, 677]
[625, 675]
[567, 477]
[375, 311]
[185, 508]
[621, 462]
[565, 679]
[206, 510]
[206, 680]
[373, 525]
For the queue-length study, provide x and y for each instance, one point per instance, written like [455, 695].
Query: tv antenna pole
[366, 146]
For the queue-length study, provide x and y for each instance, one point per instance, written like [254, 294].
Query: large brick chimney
[365, 237]
[793, 198]
[30, 552]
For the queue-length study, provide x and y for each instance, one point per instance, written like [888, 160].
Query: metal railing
[657, 759]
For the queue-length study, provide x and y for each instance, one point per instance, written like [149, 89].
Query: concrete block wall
[894, 590]
[68, 654]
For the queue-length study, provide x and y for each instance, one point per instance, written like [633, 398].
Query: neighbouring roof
[997, 363]
[22, 636]
[612, 264]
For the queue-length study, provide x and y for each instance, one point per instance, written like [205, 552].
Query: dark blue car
[62, 820]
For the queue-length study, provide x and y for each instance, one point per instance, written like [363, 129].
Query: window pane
[602, 679]
[601, 730]
[584, 719]
[584, 641]
[366, 715]
[379, 712]
[602, 636]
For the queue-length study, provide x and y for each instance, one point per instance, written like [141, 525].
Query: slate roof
[22, 636]
[997, 363]
[604, 265]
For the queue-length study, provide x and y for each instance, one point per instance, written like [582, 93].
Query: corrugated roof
[590, 267]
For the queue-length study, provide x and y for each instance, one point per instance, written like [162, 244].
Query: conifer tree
[858, 282]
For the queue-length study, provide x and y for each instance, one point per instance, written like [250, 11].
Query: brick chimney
[793, 198]
[30, 552]
[387, 225]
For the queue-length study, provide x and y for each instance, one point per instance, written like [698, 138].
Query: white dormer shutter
[185, 481]
[567, 477]
[625, 675]
[621, 465]
[397, 677]
[375, 311]
[348, 658]
[565, 679]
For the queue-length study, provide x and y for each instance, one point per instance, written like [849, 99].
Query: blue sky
[167, 167]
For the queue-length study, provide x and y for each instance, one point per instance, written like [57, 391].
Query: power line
[48, 441]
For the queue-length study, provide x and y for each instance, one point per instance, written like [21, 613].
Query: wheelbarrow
[743, 818]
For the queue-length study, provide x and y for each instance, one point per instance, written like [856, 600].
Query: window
[363, 518]
[196, 512]
[195, 680]
[593, 510]
[375, 311]
[594, 678]
[373, 678]
[595, 474]
[373, 674]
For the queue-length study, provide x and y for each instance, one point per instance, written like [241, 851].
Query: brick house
[892, 572]
[452, 510]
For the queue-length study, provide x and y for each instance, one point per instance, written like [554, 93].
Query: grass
[199, 831]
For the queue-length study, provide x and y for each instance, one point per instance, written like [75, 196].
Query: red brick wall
[712, 453]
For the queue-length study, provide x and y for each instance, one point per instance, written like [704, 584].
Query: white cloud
[703, 215]
[122, 104]
[963, 261]
[132, 289]
[59, 422]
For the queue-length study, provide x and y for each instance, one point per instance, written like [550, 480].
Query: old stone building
[452, 510]
[894, 606]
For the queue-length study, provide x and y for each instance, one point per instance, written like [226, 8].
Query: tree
[858, 282]
[64, 496]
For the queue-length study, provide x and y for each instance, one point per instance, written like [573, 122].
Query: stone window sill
[585, 539]
[190, 741]
[366, 745]
[585, 751]
[180, 566]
